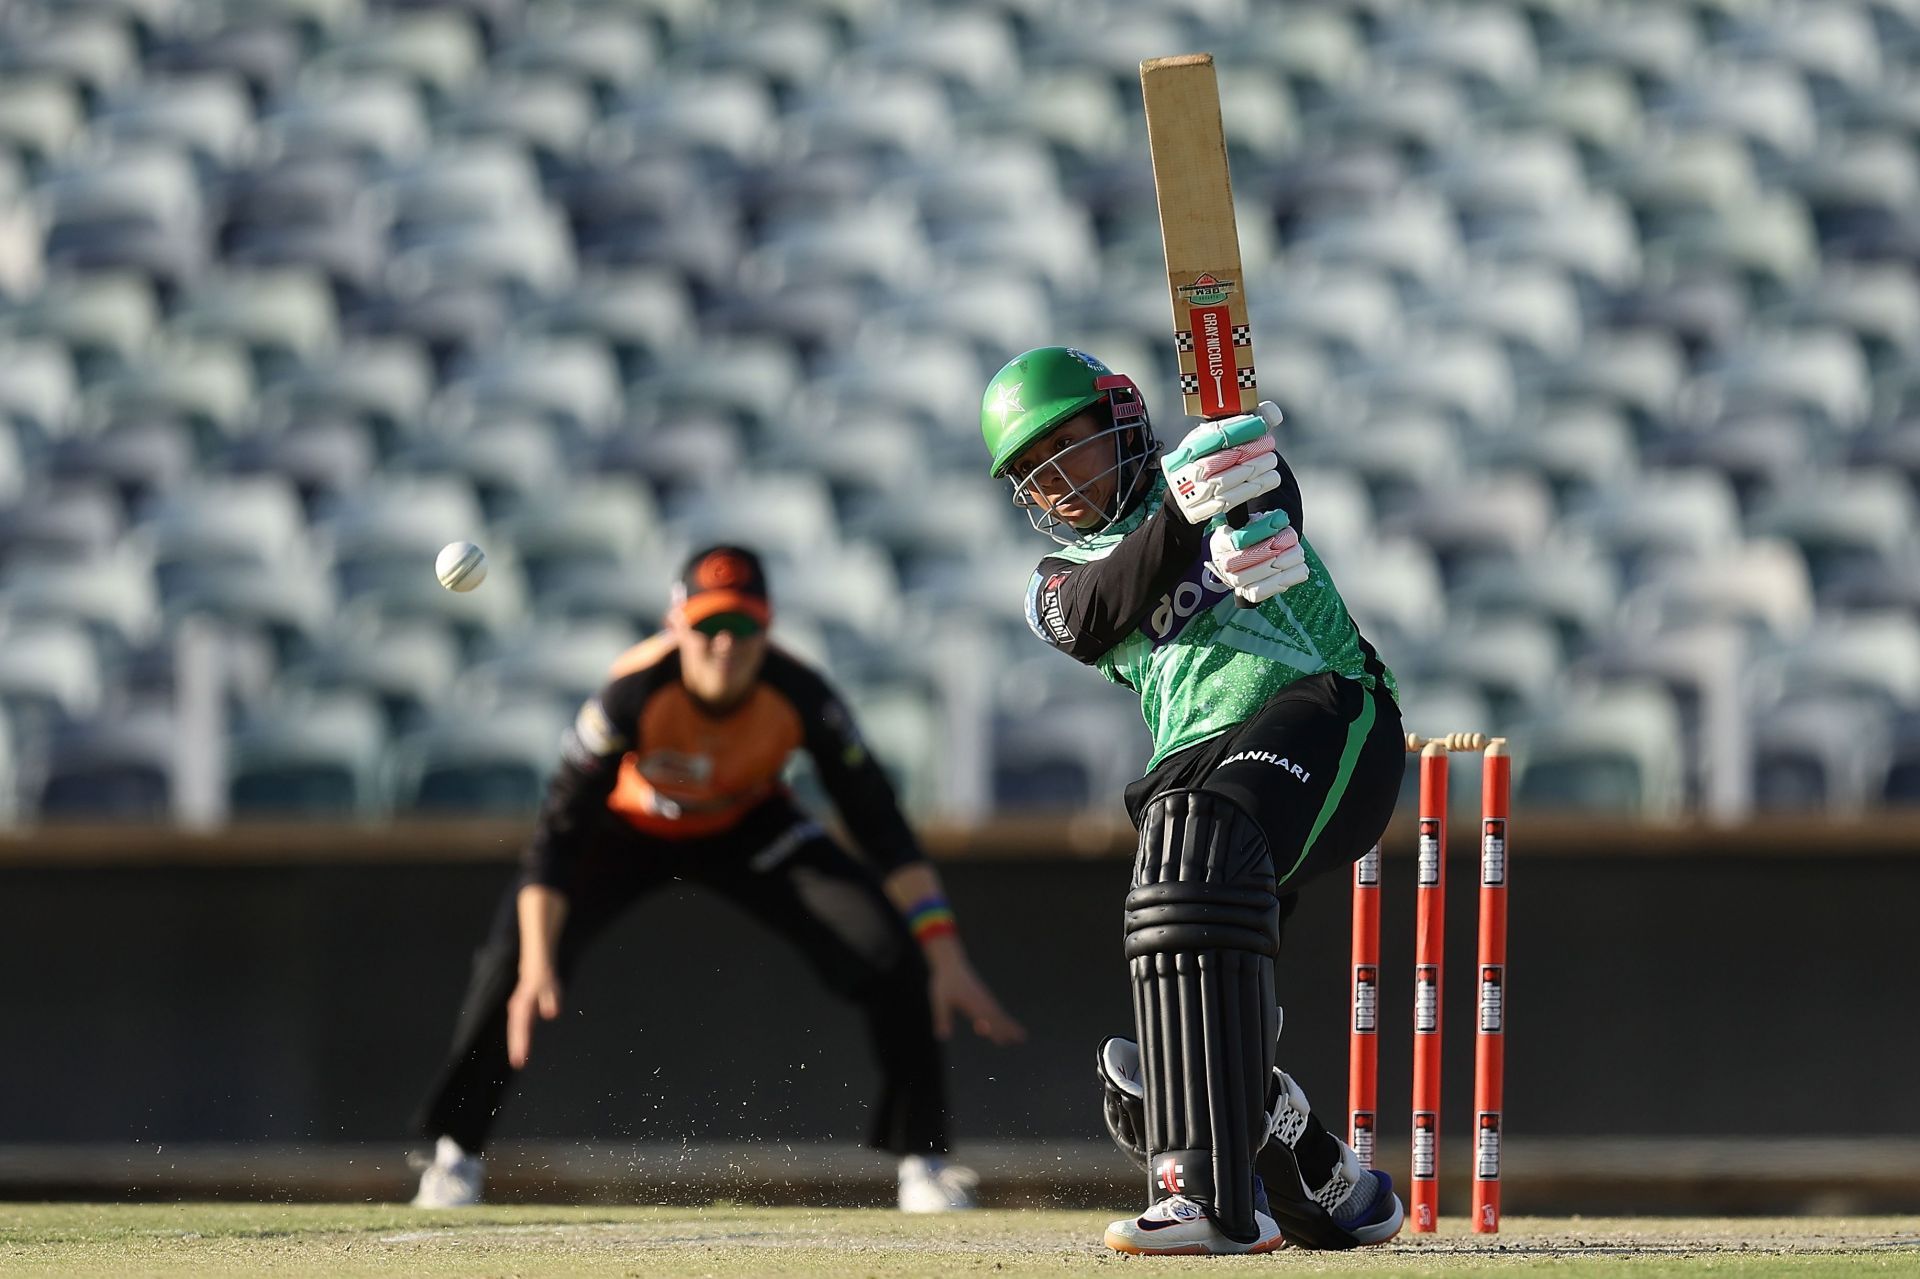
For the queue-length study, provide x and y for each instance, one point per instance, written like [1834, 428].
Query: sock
[447, 1152]
[928, 1164]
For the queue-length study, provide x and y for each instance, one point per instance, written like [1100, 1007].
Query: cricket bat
[1204, 281]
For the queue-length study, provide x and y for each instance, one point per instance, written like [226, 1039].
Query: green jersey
[1141, 602]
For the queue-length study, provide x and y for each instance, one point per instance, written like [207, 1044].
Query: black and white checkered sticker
[1242, 335]
[1246, 379]
[1189, 384]
[1183, 339]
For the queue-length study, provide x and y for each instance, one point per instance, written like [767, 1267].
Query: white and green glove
[1260, 560]
[1224, 464]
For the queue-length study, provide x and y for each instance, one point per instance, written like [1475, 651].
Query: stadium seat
[1578, 451]
[49, 676]
[1415, 112]
[1566, 582]
[312, 757]
[1479, 517]
[1415, 238]
[40, 389]
[265, 56]
[1879, 303]
[1608, 749]
[1825, 757]
[1513, 663]
[1394, 453]
[40, 114]
[1595, 107]
[1463, 375]
[1392, 586]
[1533, 310]
[607, 51]
[209, 116]
[438, 51]
[763, 378]
[1767, 105]
[772, 510]
[92, 51]
[114, 596]
[1353, 312]
[1869, 658]
[1593, 238]
[117, 770]
[207, 385]
[282, 317]
[384, 383]
[1819, 373]
[1668, 512]
[73, 522]
[478, 764]
[1762, 585]
[1840, 520]
[1490, 49]
[407, 666]
[726, 116]
[365, 118]
[102, 319]
[559, 666]
[1760, 454]
[289, 606]
[607, 521]
[551, 115]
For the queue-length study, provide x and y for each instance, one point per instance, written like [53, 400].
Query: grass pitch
[728, 1240]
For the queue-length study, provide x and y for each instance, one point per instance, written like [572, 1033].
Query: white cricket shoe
[933, 1185]
[1179, 1227]
[452, 1180]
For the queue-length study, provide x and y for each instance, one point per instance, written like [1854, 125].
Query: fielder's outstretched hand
[956, 988]
[536, 993]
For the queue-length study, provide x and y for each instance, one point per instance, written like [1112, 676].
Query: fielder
[673, 772]
[1278, 754]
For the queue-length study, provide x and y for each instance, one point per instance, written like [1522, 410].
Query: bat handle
[1237, 518]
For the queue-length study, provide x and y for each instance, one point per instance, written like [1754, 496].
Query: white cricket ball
[460, 566]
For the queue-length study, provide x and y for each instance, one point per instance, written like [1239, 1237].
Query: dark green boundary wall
[298, 984]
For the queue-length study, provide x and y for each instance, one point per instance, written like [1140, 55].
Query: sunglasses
[738, 625]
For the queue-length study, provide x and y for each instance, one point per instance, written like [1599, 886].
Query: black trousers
[787, 873]
[1319, 768]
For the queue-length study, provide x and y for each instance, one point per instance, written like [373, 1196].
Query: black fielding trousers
[784, 871]
[1349, 744]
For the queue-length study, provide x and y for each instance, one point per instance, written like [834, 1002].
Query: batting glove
[1260, 560]
[1224, 464]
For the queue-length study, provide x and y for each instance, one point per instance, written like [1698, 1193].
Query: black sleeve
[1085, 609]
[853, 779]
[590, 753]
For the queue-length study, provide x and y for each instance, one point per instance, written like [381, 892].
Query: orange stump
[1430, 931]
[1490, 1037]
[1363, 1027]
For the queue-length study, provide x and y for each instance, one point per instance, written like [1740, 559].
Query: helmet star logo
[1007, 400]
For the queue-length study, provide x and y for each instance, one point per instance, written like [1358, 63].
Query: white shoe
[1179, 1227]
[933, 1185]
[452, 1180]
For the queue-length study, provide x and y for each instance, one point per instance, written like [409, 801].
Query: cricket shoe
[451, 1180]
[1368, 1209]
[928, 1184]
[1179, 1227]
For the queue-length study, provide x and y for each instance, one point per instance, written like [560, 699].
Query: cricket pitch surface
[735, 1240]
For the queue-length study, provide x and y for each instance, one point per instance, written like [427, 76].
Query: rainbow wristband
[931, 918]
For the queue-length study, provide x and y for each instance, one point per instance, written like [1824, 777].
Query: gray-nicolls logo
[1268, 757]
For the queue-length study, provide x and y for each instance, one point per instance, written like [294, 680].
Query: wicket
[1429, 943]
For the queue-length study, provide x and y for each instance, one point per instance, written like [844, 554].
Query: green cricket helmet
[1039, 390]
